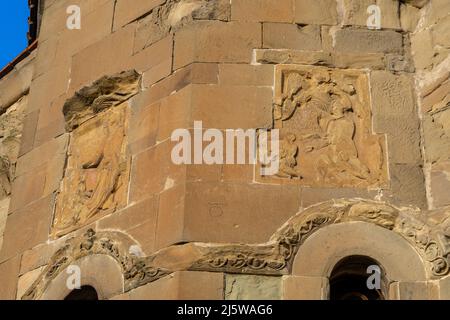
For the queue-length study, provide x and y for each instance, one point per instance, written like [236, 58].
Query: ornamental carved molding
[116, 245]
[429, 236]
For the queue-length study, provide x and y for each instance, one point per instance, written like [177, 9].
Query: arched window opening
[354, 278]
[86, 293]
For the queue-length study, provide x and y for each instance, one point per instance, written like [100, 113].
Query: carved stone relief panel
[324, 118]
[96, 176]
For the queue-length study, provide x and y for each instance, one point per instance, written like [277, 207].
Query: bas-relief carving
[175, 14]
[324, 120]
[96, 177]
[429, 236]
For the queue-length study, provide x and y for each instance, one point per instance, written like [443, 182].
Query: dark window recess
[348, 281]
[86, 293]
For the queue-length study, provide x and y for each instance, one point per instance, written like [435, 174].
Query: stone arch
[423, 241]
[320, 253]
[101, 272]
[93, 250]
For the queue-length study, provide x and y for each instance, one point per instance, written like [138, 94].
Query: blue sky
[13, 29]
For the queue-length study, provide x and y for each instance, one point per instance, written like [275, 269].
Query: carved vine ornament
[430, 238]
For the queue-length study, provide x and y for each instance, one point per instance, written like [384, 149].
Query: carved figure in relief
[95, 171]
[95, 179]
[340, 130]
[288, 155]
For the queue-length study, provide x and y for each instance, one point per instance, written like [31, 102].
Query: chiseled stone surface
[240, 287]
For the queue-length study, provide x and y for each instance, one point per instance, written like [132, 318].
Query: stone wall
[361, 114]
[430, 46]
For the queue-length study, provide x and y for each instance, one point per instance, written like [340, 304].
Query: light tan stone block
[153, 55]
[374, 61]
[368, 41]
[106, 57]
[444, 288]
[262, 10]
[16, 83]
[153, 171]
[26, 280]
[26, 189]
[38, 156]
[171, 217]
[174, 15]
[245, 287]
[292, 57]
[410, 290]
[311, 196]
[241, 107]
[9, 273]
[409, 17]
[33, 221]
[440, 184]
[291, 36]
[175, 113]
[28, 133]
[395, 113]
[246, 75]
[125, 13]
[227, 207]
[356, 13]
[95, 25]
[315, 12]
[422, 48]
[209, 41]
[157, 73]
[305, 288]
[143, 127]
[45, 89]
[183, 285]
[408, 185]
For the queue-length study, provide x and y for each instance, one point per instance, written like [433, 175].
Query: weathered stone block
[9, 274]
[305, 288]
[245, 75]
[368, 41]
[440, 184]
[422, 48]
[183, 285]
[356, 13]
[408, 185]
[28, 133]
[315, 12]
[104, 57]
[33, 222]
[241, 107]
[209, 41]
[243, 287]
[143, 127]
[291, 36]
[292, 57]
[166, 175]
[263, 10]
[124, 13]
[186, 210]
[409, 17]
[174, 15]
